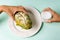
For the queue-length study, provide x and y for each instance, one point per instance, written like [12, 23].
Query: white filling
[46, 15]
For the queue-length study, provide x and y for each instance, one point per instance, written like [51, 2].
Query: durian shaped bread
[23, 20]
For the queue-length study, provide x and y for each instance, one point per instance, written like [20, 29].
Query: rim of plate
[37, 22]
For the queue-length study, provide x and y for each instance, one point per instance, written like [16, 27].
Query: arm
[10, 10]
[1, 9]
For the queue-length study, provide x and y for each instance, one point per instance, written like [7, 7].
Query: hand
[55, 18]
[10, 10]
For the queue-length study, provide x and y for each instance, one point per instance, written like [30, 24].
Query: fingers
[54, 14]
[18, 8]
[21, 8]
[49, 21]
[49, 10]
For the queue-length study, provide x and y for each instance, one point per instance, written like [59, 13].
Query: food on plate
[23, 20]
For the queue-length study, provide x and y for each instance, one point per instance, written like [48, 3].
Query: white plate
[36, 24]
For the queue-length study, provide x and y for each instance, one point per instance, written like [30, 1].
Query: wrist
[58, 18]
[1, 9]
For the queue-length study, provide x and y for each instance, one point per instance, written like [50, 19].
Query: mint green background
[49, 31]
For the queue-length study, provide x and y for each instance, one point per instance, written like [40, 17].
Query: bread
[23, 20]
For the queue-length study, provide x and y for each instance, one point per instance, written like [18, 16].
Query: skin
[10, 10]
[55, 18]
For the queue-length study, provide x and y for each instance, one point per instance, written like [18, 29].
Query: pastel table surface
[49, 31]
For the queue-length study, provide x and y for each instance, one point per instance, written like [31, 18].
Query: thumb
[50, 20]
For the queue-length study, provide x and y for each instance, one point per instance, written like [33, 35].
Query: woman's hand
[10, 10]
[55, 18]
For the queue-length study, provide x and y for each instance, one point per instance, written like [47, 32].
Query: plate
[36, 24]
